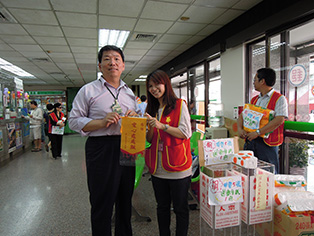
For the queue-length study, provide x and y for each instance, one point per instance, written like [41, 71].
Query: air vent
[130, 62]
[39, 59]
[56, 73]
[6, 17]
[145, 37]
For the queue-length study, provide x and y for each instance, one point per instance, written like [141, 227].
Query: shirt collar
[103, 82]
[267, 94]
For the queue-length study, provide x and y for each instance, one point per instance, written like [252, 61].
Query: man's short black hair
[49, 107]
[143, 98]
[109, 48]
[34, 103]
[268, 74]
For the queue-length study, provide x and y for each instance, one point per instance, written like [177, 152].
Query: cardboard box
[284, 225]
[232, 128]
[293, 225]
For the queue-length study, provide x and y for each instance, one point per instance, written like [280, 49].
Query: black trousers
[56, 145]
[109, 184]
[175, 190]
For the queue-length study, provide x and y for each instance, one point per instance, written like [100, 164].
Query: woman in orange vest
[56, 119]
[169, 157]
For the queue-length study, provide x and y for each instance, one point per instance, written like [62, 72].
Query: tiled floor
[40, 196]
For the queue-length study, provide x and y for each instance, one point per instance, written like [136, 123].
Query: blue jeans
[263, 152]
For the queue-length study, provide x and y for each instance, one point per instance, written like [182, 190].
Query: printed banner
[133, 135]
[26, 128]
[18, 134]
[225, 190]
[11, 137]
[217, 150]
[1, 141]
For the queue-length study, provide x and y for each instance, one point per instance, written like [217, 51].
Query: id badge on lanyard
[160, 146]
[116, 107]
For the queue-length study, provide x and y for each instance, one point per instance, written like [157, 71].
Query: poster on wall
[18, 134]
[11, 137]
[1, 141]
[25, 128]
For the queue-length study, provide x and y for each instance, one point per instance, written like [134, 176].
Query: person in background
[143, 105]
[35, 120]
[48, 126]
[97, 110]
[169, 157]
[56, 119]
[266, 149]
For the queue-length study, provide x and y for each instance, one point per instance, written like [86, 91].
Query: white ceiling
[65, 34]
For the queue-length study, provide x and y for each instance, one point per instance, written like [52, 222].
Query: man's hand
[242, 133]
[131, 113]
[111, 118]
[252, 135]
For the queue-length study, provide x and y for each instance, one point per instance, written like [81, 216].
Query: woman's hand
[153, 122]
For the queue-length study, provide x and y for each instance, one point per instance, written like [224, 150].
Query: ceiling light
[140, 80]
[143, 76]
[184, 18]
[113, 37]
[5, 65]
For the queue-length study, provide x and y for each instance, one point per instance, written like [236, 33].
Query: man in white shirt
[35, 120]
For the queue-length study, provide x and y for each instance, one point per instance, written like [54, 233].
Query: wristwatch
[166, 127]
[258, 132]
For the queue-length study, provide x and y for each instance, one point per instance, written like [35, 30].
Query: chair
[139, 167]
[194, 203]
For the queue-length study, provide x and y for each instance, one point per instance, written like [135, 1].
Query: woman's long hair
[169, 98]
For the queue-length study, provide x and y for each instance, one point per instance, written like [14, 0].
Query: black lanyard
[115, 97]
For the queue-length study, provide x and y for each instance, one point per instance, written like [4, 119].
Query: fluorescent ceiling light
[143, 76]
[141, 80]
[113, 37]
[5, 65]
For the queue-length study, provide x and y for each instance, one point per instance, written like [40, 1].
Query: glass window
[301, 98]
[274, 59]
[214, 81]
[179, 85]
[257, 55]
[197, 95]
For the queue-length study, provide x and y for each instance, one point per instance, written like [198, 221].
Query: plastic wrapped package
[289, 181]
[283, 197]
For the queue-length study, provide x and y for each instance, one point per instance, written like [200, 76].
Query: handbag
[57, 130]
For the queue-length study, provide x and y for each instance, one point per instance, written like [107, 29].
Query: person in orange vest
[266, 149]
[169, 156]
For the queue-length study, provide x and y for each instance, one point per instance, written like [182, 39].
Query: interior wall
[143, 90]
[232, 64]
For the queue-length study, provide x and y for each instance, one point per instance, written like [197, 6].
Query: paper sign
[133, 135]
[265, 215]
[251, 119]
[261, 188]
[217, 150]
[225, 190]
[217, 217]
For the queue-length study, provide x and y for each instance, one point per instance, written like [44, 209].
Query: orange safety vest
[176, 155]
[276, 137]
